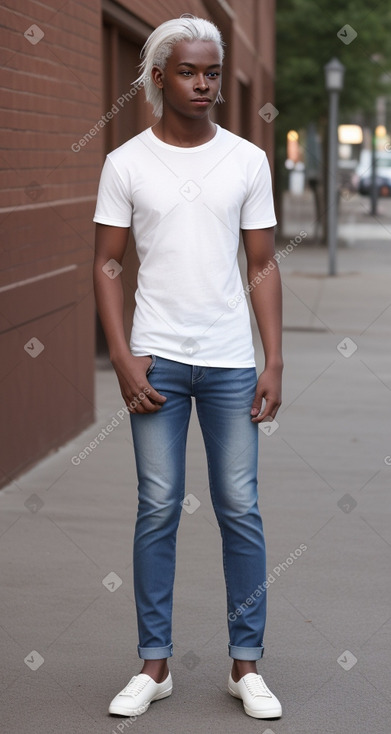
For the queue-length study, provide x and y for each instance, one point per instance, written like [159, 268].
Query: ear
[157, 76]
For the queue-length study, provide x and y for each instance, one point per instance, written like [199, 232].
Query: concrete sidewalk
[68, 623]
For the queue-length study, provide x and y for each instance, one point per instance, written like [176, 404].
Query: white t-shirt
[186, 207]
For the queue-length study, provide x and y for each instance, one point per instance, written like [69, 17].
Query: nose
[201, 82]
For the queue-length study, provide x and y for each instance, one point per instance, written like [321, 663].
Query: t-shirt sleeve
[257, 211]
[114, 204]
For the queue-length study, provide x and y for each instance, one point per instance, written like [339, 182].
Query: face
[191, 79]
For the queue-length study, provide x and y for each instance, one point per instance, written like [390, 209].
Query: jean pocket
[152, 365]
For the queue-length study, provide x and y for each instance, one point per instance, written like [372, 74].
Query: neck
[184, 132]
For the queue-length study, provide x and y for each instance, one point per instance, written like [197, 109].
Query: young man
[187, 187]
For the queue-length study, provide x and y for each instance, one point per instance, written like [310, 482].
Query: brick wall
[51, 91]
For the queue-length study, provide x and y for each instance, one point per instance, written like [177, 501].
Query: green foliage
[307, 39]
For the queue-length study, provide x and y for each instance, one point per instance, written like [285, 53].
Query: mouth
[201, 100]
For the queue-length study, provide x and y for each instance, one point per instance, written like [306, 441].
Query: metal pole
[374, 192]
[332, 181]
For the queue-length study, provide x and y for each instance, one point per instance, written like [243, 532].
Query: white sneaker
[258, 701]
[136, 697]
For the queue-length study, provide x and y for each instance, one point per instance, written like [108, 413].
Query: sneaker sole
[124, 711]
[273, 714]
[276, 714]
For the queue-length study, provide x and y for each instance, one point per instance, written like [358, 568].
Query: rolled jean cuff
[245, 653]
[154, 653]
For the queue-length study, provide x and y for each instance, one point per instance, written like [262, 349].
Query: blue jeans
[223, 398]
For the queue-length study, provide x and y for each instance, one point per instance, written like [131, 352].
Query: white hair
[158, 47]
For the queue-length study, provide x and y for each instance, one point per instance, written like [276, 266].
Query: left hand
[268, 387]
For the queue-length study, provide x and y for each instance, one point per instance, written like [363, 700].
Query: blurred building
[66, 79]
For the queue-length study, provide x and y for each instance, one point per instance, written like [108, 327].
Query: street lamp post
[334, 76]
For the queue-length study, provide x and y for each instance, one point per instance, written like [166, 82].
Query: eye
[185, 72]
[214, 74]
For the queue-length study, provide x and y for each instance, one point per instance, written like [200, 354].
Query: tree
[307, 39]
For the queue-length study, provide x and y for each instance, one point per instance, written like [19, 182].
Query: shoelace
[257, 686]
[134, 687]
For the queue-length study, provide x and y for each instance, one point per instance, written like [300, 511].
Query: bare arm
[266, 300]
[110, 244]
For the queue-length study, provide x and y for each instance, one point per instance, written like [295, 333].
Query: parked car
[362, 177]
[383, 185]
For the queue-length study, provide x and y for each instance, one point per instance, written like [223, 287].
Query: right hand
[139, 395]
